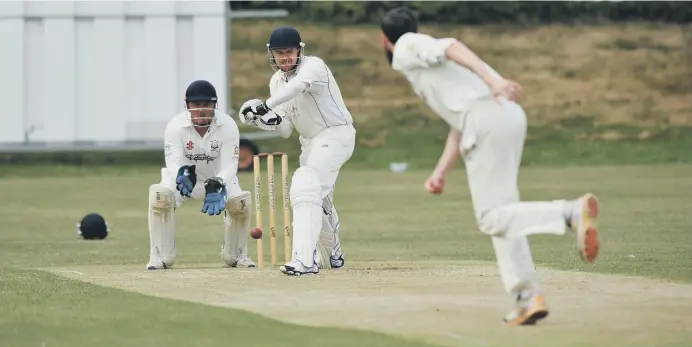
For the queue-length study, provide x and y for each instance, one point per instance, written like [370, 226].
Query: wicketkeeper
[201, 151]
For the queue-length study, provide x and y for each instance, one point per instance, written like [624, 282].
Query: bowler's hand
[435, 184]
[508, 89]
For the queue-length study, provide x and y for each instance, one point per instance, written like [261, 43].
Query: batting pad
[236, 227]
[306, 200]
[328, 241]
[161, 225]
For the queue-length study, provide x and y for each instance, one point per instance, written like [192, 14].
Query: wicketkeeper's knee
[239, 206]
[161, 199]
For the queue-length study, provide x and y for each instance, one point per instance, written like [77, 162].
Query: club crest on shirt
[214, 146]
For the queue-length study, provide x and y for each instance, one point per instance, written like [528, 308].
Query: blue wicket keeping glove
[214, 198]
[186, 180]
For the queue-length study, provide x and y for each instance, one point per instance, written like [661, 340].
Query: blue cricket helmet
[281, 38]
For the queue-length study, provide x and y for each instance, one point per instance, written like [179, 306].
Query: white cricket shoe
[296, 268]
[529, 309]
[583, 223]
[157, 265]
[244, 261]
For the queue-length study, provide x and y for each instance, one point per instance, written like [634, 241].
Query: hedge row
[477, 12]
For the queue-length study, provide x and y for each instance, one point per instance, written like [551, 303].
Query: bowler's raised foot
[296, 268]
[583, 223]
[528, 310]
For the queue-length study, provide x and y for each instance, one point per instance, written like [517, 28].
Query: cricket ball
[256, 233]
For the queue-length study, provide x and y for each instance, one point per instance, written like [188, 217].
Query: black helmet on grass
[92, 227]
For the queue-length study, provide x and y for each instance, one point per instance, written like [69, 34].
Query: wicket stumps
[272, 206]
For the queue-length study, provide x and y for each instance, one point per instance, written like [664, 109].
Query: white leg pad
[329, 245]
[306, 200]
[236, 227]
[161, 226]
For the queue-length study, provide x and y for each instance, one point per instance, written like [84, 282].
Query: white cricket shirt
[215, 154]
[443, 84]
[316, 108]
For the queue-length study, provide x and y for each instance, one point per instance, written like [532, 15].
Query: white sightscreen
[105, 71]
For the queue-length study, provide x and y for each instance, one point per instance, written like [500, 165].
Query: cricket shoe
[157, 265]
[337, 262]
[583, 223]
[244, 261]
[529, 309]
[296, 268]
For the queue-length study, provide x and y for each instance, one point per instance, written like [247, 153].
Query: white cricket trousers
[327, 153]
[492, 143]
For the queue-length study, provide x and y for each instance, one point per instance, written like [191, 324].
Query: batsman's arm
[450, 154]
[173, 149]
[314, 72]
[285, 128]
[293, 88]
[230, 149]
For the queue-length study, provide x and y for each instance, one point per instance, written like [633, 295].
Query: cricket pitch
[445, 303]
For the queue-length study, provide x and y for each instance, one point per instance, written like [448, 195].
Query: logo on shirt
[190, 145]
[214, 146]
[200, 157]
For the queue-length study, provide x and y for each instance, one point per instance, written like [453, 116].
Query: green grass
[41, 309]
[386, 217]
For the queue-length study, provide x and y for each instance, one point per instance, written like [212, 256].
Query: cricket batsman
[487, 128]
[201, 152]
[305, 96]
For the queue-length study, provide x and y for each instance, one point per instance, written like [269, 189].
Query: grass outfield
[418, 273]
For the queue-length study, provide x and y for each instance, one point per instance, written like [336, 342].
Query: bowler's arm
[450, 154]
[464, 56]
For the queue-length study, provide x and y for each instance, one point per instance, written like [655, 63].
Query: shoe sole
[165, 267]
[531, 317]
[587, 235]
[287, 270]
[243, 266]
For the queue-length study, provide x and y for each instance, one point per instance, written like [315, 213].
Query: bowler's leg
[492, 166]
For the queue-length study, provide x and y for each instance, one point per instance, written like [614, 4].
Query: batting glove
[186, 180]
[215, 197]
[254, 108]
